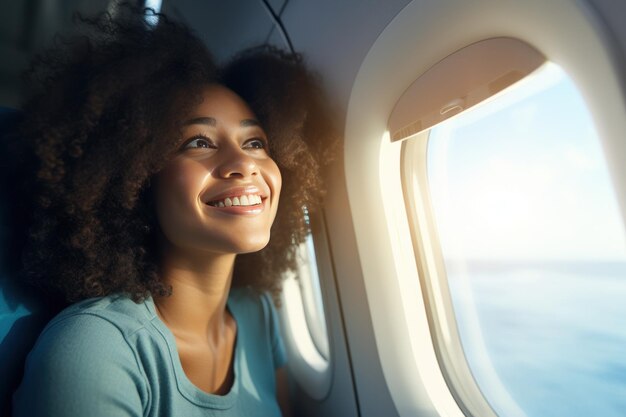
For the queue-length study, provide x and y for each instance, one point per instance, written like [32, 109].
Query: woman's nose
[236, 163]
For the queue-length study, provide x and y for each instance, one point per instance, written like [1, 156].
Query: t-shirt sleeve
[81, 366]
[278, 347]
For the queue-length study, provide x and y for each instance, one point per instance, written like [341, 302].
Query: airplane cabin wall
[568, 40]
[335, 39]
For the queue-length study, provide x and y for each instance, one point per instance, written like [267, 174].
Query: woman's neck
[196, 310]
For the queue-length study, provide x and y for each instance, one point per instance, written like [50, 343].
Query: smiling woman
[149, 194]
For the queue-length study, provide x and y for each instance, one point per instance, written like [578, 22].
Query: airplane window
[308, 286]
[533, 249]
[304, 322]
[312, 297]
[156, 6]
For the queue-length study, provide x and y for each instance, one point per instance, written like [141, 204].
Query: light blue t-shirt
[112, 357]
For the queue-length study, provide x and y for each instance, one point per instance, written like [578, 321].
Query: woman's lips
[240, 209]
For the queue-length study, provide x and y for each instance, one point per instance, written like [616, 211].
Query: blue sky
[523, 176]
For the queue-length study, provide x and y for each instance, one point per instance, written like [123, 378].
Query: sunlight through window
[534, 249]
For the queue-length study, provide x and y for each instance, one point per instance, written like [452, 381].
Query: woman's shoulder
[84, 352]
[249, 300]
[257, 316]
[95, 318]
[254, 309]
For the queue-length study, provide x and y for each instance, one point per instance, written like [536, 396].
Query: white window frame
[568, 34]
[434, 282]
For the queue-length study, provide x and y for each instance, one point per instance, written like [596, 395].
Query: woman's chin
[240, 246]
[253, 246]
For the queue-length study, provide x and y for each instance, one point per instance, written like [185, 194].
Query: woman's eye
[199, 142]
[255, 144]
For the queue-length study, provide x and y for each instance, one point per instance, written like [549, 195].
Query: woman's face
[219, 193]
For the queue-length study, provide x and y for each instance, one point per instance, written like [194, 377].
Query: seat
[22, 312]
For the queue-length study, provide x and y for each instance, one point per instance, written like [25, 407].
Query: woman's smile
[239, 200]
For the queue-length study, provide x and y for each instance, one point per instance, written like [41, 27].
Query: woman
[157, 187]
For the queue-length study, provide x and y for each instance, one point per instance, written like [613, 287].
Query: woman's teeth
[244, 200]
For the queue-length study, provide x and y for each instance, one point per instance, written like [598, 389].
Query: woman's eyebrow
[249, 122]
[212, 122]
[201, 121]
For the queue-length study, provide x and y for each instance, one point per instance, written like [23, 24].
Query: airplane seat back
[23, 313]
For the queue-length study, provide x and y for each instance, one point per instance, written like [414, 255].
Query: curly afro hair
[105, 116]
